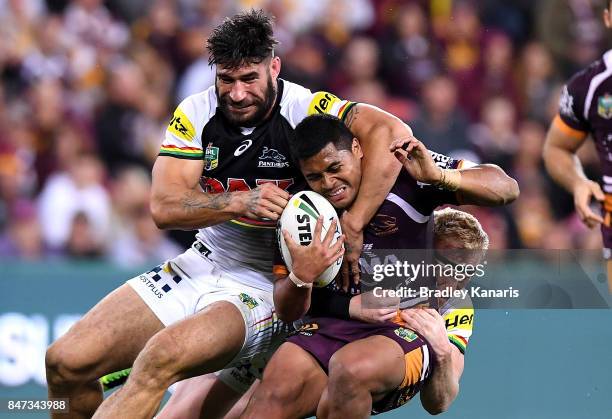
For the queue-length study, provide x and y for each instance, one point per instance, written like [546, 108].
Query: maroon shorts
[323, 336]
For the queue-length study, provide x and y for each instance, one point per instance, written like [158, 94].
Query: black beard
[262, 107]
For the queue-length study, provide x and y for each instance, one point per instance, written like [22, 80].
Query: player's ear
[356, 148]
[275, 67]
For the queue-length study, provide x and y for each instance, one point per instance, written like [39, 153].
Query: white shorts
[186, 284]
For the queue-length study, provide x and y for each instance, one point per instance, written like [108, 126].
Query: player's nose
[238, 92]
[327, 182]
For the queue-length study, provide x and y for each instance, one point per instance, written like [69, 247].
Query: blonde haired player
[453, 230]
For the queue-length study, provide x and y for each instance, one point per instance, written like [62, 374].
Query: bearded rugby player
[224, 169]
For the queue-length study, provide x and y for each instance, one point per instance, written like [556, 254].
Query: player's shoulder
[191, 115]
[294, 101]
[458, 312]
[201, 104]
[293, 92]
[598, 70]
[298, 102]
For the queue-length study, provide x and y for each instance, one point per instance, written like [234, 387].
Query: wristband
[298, 282]
[450, 179]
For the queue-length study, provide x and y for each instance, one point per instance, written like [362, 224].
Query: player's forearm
[441, 387]
[290, 302]
[563, 166]
[375, 130]
[192, 209]
[486, 185]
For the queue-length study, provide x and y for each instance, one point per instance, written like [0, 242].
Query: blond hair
[450, 223]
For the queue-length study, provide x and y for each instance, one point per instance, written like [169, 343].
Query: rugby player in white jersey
[224, 169]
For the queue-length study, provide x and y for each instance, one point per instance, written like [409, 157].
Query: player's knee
[158, 363]
[278, 391]
[349, 373]
[66, 367]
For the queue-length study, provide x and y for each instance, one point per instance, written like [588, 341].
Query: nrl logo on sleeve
[211, 157]
[272, 158]
[604, 106]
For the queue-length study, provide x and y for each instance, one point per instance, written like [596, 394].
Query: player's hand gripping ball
[299, 219]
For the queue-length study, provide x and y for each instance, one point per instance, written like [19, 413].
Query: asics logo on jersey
[243, 147]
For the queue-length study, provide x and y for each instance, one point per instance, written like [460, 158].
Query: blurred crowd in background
[88, 86]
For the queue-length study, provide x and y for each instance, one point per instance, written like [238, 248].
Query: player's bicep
[561, 136]
[368, 122]
[172, 175]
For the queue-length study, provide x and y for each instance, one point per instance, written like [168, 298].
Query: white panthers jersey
[240, 159]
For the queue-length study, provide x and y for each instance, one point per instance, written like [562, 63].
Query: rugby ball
[299, 219]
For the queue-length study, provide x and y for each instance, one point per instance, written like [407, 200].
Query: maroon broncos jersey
[585, 107]
[403, 221]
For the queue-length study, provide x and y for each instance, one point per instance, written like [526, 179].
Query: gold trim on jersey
[566, 129]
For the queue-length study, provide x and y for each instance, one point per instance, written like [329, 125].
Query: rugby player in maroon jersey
[339, 365]
[585, 108]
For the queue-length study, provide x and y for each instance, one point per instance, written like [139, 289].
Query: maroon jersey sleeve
[572, 102]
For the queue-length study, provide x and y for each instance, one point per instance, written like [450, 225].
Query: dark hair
[315, 132]
[244, 38]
